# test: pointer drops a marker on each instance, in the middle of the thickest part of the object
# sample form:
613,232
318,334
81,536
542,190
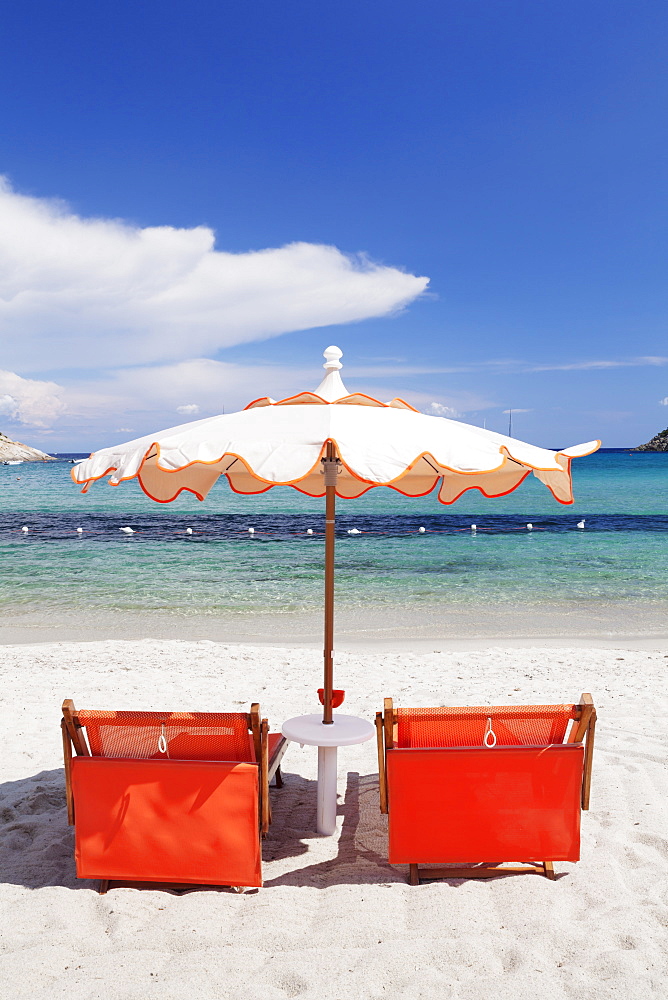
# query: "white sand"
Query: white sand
334,919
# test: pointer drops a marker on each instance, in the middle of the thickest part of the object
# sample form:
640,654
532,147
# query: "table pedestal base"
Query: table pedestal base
326,814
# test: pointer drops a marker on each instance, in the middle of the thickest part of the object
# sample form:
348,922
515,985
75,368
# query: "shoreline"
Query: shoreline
365,645
635,625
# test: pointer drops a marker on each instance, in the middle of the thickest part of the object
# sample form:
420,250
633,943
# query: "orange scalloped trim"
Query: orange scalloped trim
316,400
503,452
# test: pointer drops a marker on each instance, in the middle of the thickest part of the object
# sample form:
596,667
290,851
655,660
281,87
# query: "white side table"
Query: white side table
344,731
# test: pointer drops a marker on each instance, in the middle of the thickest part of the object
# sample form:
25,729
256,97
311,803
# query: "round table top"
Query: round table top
344,731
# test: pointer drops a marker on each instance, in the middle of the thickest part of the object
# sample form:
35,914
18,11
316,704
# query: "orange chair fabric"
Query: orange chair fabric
134,819
477,804
187,735
513,725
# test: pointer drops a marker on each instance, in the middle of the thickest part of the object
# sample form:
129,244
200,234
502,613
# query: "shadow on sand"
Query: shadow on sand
361,850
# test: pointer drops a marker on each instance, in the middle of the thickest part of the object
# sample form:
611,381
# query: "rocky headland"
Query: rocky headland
658,443
15,451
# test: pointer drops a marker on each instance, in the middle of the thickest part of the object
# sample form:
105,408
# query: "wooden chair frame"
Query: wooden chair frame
75,743
582,730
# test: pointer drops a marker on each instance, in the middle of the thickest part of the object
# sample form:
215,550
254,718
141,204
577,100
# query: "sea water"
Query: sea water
448,578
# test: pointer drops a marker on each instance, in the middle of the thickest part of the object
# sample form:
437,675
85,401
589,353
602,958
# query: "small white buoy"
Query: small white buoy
309,531
422,530
529,527
189,531
79,531
24,529
251,531
354,531
474,527
581,523
127,531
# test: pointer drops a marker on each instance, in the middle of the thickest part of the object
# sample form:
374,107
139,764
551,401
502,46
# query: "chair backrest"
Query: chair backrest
167,820
227,736
485,726
512,725
469,804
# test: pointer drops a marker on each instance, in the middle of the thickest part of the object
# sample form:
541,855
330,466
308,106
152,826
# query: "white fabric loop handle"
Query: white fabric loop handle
162,741
489,739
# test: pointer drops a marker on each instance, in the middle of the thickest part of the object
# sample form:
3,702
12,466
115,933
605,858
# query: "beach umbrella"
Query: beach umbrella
331,443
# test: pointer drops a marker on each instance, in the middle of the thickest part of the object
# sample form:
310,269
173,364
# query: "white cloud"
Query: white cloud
141,399
602,365
30,401
503,365
517,409
664,401
401,371
144,395
79,292
8,405
441,410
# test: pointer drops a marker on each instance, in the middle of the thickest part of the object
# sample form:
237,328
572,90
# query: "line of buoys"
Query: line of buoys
251,532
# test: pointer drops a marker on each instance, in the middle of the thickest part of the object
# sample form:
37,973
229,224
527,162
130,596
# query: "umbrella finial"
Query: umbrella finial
331,356
332,388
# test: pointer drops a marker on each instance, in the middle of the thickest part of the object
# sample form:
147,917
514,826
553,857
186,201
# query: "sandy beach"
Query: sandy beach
334,918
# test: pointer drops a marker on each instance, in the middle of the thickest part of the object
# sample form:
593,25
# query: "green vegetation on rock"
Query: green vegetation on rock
658,443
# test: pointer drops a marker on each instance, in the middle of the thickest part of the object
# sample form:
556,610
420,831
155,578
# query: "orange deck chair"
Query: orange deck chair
462,786
169,797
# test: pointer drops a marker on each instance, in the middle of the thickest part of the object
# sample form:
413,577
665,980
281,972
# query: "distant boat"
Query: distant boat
14,461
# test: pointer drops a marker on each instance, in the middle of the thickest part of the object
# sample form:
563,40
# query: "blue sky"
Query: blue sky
513,154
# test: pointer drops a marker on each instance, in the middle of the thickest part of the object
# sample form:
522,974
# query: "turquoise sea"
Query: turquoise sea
610,576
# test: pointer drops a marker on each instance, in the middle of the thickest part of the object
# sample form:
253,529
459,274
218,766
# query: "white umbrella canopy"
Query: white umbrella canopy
358,442
378,444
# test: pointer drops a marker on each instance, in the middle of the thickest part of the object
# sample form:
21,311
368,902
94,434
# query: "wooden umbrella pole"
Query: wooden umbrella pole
330,469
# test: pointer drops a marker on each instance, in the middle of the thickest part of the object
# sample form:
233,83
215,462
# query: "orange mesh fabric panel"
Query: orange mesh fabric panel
513,725
472,805
187,735
167,821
